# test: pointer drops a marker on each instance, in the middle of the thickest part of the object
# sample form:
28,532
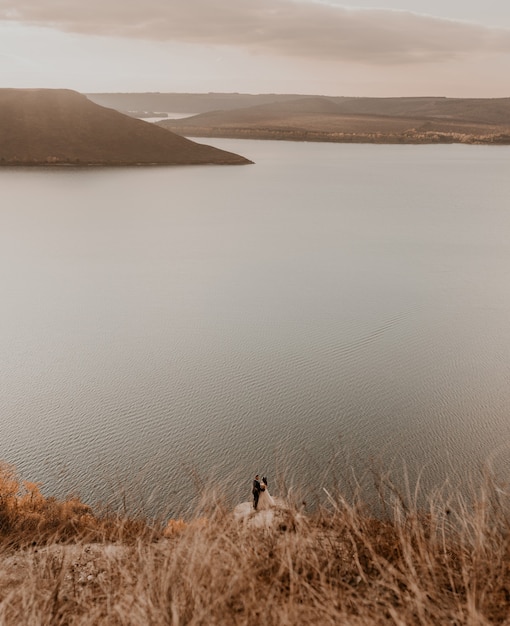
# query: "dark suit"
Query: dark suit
256,493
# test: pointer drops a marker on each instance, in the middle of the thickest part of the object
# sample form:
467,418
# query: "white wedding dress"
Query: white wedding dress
265,500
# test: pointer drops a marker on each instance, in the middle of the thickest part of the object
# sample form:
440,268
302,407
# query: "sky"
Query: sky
456,48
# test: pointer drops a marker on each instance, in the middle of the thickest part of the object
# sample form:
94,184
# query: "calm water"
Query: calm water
166,323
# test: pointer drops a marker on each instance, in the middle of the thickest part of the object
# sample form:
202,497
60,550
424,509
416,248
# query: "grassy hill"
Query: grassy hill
370,120
58,126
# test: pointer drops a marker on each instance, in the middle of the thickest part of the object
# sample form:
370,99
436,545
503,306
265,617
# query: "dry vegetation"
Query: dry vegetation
448,563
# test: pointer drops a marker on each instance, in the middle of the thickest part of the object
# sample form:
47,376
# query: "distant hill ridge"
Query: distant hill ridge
480,110
408,120
184,102
60,126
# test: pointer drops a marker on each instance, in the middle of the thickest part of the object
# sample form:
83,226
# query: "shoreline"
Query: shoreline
432,138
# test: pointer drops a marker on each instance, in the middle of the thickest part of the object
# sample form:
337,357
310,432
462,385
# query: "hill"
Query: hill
59,126
369,120
184,102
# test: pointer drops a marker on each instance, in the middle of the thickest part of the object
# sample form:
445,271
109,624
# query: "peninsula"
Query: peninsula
60,126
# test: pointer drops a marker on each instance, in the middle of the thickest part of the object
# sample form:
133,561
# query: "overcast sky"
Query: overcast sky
357,47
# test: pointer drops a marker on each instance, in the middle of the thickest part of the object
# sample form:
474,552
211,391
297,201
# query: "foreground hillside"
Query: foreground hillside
57,126
367,120
62,564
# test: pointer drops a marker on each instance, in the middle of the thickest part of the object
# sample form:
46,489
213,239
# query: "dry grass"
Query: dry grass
27,517
448,563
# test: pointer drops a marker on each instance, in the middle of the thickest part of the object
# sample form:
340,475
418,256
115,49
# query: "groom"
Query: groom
256,489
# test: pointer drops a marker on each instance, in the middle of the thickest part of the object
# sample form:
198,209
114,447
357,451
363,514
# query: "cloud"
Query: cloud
284,27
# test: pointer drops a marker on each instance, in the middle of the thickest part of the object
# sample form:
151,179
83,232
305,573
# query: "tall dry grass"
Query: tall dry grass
445,563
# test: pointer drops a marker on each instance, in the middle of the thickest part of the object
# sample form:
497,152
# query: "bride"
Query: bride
266,501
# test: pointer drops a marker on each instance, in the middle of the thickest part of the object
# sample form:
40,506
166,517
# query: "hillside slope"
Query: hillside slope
371,120
58,126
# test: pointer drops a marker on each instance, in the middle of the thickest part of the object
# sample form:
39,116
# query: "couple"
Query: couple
262,499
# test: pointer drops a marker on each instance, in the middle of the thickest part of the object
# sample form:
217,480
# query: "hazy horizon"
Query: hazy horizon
378,48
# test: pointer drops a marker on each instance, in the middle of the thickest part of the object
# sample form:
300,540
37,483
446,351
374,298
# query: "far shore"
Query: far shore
409,138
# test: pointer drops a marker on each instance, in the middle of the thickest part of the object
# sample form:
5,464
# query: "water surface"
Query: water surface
168,323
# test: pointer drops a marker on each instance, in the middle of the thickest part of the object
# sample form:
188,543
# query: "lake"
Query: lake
331,307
